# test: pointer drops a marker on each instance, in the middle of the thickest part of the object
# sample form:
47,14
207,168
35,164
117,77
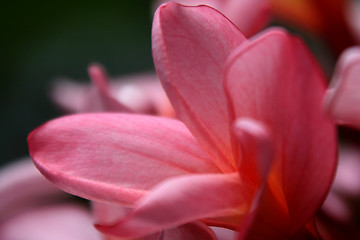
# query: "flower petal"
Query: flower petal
343,98
58,222
115,157
70,96
22,187
347,179
224,233
181,200
190,46
190,231
257,150
108,102
142,93
275,80
250,16
109,213
268,219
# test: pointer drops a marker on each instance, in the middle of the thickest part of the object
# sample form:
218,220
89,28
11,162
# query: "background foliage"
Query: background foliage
44,40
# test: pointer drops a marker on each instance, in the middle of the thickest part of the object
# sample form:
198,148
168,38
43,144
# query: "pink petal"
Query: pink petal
72,97
343,98
250,16
109,213
181,200
336,208
108,102
142,93
257,150
106,213
115,157
190,231
57,222
275,80
22,187
347,179
268,219
257,159
224,233
190,46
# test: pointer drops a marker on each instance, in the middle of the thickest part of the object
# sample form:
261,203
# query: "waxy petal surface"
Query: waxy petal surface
343,98
181,200
190,46
115,157
276,81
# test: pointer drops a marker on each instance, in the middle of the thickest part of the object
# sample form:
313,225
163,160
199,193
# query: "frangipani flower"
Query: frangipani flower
33,209
138,93
253,152
250,16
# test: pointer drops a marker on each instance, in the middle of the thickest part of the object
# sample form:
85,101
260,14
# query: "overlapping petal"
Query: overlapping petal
343,98
184,199
189,55
115,157
275,80
176,201
250,16
108,213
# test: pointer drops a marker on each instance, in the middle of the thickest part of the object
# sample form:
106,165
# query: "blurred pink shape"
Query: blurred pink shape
138,93
33,209
342,99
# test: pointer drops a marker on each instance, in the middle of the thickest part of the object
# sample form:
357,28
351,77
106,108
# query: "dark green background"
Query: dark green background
42,40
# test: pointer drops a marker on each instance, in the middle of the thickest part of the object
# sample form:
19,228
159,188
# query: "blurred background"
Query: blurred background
44,40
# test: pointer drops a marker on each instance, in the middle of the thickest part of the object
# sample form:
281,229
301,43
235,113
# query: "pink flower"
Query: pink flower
33,209
137,93
252,152
250,16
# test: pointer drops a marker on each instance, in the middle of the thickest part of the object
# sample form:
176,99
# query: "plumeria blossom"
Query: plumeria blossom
137,93
250,16
252,152
33,209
